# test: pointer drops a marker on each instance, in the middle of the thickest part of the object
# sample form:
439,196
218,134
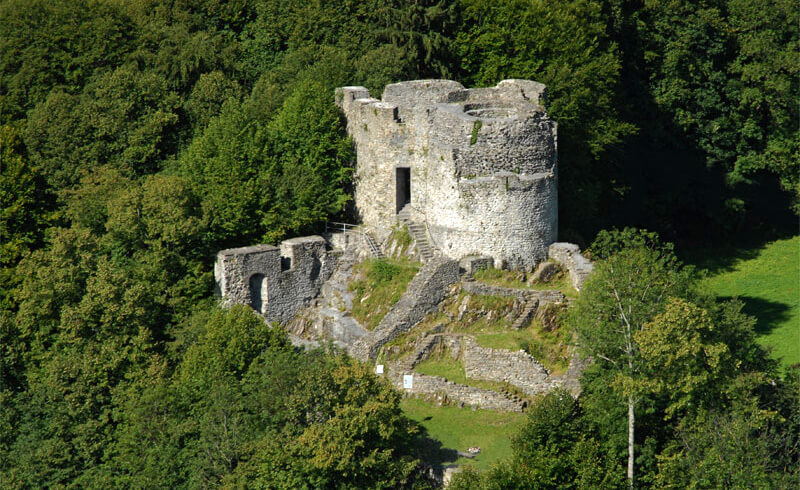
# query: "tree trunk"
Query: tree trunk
630,441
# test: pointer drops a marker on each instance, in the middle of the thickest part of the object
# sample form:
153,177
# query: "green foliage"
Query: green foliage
355,434
736,96
125,119
23,208
379,285
731,449
685,358
610,242
564,46
82,38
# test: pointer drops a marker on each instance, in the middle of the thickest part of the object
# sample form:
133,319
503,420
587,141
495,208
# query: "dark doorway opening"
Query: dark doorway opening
402,187
258,292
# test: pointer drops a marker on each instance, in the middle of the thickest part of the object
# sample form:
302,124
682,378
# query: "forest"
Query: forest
140,137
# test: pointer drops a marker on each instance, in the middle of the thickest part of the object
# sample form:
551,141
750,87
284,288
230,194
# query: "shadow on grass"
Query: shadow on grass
768,314
432,452
723,258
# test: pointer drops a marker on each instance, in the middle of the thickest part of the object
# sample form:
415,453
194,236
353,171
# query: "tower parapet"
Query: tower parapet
477,166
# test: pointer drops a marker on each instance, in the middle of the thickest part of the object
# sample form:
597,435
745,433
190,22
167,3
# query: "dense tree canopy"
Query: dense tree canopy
137,138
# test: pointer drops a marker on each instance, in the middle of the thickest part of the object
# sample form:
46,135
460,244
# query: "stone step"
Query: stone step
376,251
527,314
417,232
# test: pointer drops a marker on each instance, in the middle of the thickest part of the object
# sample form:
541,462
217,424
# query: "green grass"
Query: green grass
442,364
767,279
549,348
378,285
456,429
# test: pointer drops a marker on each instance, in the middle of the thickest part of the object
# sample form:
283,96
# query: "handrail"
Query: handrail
337,226
347,227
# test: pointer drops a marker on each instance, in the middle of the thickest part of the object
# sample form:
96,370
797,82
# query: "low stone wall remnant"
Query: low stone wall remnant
570,258
544,296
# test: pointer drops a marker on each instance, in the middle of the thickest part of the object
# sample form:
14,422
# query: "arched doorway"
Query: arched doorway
258,292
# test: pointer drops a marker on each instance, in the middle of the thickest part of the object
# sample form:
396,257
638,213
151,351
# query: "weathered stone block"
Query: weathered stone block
545,271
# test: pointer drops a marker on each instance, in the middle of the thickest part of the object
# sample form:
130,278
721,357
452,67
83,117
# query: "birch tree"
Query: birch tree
626,291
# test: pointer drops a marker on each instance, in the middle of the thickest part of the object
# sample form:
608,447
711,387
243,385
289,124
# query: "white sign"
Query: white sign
379,369
408,381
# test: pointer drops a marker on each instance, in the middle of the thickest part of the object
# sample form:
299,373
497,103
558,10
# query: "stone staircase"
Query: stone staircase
531,305
417,232
421,349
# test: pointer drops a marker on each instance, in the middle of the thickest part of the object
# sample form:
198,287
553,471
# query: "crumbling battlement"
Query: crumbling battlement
478,166
275,281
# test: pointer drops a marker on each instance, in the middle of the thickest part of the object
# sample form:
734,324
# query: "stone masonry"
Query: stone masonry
422,296
275,281
444,391
569,256
477,167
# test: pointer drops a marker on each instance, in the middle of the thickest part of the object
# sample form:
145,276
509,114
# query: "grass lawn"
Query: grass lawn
767,279
378,285
459,428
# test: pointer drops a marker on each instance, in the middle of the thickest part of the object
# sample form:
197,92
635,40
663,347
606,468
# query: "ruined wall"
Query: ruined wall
275,281
447,392
422,296
502,365
544,295
482,165
570,257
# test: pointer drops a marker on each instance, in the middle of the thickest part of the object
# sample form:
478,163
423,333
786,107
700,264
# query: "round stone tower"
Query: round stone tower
476,167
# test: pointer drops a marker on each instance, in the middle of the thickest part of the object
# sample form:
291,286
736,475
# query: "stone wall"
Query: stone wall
447,392
502,365
422,296
516,368
275,281
544,296
482,165
570,258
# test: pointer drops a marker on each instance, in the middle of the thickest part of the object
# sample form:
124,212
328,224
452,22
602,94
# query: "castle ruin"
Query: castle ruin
475,169
275,281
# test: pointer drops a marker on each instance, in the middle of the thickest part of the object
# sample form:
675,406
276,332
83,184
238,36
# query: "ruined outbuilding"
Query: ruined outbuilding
474,169
275,281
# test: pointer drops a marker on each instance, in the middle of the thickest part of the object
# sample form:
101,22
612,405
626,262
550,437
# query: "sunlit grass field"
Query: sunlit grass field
767,279
459,428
